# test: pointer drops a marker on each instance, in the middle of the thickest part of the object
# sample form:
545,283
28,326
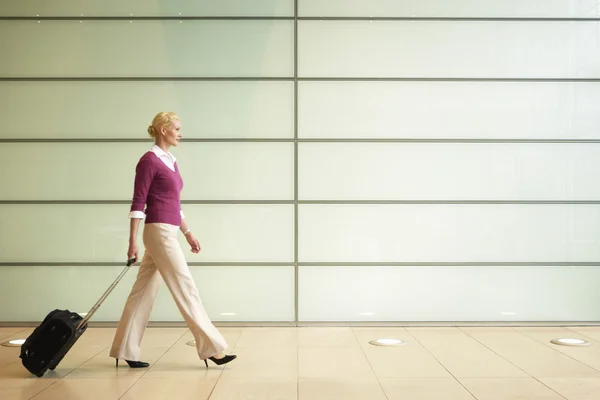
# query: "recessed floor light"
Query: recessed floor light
191,343
13,343
387,342
570,342
228,313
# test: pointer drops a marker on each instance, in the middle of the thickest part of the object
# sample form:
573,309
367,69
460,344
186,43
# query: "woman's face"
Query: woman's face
172,133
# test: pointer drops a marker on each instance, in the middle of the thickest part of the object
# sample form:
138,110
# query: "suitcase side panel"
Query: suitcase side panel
66,347
50,341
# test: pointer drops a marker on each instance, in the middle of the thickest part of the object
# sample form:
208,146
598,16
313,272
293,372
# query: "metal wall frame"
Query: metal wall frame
295,17
296,140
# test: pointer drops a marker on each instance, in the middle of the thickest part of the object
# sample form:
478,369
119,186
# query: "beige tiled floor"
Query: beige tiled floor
323,364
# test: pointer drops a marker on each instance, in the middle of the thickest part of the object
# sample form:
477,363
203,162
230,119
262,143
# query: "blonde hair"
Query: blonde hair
161,119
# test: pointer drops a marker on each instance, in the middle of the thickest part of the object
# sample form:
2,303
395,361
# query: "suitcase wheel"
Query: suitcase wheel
39,374
52,367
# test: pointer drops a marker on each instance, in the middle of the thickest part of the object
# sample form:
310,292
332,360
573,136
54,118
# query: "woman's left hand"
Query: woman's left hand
191,239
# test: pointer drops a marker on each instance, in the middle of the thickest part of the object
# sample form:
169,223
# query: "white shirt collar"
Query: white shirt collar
167,158
161,153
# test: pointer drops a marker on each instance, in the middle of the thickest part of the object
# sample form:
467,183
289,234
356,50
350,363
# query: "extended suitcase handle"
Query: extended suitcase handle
90,313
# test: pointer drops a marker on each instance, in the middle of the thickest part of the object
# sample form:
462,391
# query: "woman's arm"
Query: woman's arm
189,236
144,174
184,227
133,230
143,178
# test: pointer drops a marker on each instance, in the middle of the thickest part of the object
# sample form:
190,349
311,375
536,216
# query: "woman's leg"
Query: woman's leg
161,241
127,341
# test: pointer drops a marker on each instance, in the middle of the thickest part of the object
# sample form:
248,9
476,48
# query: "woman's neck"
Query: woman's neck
165,147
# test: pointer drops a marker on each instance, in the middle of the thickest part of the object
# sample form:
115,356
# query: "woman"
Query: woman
157,187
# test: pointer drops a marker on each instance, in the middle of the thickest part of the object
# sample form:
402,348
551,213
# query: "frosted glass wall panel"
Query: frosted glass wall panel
99,233
147,48
139,8
253,293
106,171
482,110
449,233
124,109
444,8
449,171
448,49
449,293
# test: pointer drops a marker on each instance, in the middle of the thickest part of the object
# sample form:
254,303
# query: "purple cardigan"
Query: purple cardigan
158,188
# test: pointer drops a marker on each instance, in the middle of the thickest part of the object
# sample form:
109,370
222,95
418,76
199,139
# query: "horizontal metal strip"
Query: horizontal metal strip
454,19
449,264
443,79
290,18
129,202
325,202
452,324
333,202
147,18
300,79
291,140
143,78
142,140
117,264
319,264
443,140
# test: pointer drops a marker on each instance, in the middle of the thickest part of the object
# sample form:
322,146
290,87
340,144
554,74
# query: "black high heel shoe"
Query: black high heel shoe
221,361
135,364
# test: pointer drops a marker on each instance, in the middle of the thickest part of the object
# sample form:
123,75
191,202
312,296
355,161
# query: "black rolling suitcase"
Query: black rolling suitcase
53,338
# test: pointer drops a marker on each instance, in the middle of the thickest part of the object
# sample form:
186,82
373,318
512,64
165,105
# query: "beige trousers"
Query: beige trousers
164,258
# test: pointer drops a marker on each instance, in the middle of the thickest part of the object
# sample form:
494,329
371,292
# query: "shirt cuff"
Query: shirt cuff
137,214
